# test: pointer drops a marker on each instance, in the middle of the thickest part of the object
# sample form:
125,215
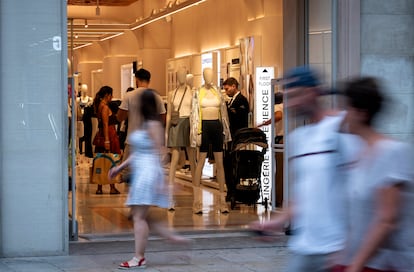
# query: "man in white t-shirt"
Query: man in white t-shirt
317,205
129,108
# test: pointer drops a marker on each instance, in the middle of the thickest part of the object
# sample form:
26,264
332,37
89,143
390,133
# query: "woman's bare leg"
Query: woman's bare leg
141,229
159,224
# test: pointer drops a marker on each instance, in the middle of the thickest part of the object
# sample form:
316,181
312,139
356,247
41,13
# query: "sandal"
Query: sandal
114,191
134,263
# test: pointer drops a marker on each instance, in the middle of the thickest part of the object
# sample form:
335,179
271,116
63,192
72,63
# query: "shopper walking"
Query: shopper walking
106,139
380,190
148,187
130,109
316,207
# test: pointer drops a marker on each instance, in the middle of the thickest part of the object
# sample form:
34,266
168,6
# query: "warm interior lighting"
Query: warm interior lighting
86,23
76,36
155,16
98,10
112,36
83,45
167,12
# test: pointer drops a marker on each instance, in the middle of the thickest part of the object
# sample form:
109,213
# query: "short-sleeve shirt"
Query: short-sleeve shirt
317,187
388,163
130,103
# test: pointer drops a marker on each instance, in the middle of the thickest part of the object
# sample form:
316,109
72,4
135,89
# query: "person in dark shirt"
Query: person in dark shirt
238,110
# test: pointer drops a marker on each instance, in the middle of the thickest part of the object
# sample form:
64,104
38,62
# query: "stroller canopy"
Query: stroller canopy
246,136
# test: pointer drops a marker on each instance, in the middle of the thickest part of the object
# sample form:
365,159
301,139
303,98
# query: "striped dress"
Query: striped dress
148,185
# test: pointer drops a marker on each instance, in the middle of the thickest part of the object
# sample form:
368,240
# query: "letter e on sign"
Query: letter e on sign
57,43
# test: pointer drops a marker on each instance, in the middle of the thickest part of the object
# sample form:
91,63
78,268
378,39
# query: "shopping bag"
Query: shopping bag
102,162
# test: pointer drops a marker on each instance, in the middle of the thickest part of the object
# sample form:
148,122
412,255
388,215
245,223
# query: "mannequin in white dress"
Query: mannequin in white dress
84,126
179,99
210,118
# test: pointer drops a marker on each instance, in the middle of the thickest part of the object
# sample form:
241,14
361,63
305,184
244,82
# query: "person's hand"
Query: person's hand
258,230
113,172
107,145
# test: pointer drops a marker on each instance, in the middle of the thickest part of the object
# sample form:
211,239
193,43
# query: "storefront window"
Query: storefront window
320,38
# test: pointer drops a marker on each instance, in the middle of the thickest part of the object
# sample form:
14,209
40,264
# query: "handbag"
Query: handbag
175,114
101,164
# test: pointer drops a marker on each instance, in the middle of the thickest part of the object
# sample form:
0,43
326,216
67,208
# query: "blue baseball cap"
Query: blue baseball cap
302,76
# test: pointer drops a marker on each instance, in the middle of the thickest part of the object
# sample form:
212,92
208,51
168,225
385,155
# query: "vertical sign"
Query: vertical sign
263,112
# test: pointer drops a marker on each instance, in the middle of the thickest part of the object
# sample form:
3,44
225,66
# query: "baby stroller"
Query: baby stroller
247,166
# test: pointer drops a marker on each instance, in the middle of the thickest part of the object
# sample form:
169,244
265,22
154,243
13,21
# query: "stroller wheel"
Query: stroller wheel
265,203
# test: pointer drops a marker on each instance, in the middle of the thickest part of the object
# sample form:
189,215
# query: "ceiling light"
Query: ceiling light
112,36
83,45
76,36
86,23
168,12
98,10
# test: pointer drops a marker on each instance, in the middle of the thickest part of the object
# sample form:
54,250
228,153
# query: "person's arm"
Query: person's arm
156,132
387,210
278,117
105,125
161,109
114,171
121,115
163,118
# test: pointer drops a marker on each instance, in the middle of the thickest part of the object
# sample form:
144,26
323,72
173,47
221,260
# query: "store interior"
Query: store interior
109,39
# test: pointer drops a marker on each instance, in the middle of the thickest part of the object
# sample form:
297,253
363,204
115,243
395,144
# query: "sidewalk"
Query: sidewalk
232,251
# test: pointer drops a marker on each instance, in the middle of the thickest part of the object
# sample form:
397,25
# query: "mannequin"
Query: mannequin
85,112
190,80
180,99
84,100
210,127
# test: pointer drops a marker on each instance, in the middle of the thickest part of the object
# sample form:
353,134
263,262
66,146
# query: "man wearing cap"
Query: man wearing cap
316,207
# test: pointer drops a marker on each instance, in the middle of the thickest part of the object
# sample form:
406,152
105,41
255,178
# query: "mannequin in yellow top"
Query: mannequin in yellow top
179,99
212,126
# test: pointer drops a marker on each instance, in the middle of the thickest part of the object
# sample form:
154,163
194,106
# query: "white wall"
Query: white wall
387,52
33,97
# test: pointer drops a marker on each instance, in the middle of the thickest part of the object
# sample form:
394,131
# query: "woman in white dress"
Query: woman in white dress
148,187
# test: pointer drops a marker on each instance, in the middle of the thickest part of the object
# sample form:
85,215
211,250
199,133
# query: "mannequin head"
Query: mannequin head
181,76
190,80
208,76
84,90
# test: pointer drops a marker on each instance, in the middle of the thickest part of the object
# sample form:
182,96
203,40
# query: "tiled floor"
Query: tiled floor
106,214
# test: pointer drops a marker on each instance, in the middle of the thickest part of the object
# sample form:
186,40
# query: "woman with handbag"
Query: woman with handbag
106,139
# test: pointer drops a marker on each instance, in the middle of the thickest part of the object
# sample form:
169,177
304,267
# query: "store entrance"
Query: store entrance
108,59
